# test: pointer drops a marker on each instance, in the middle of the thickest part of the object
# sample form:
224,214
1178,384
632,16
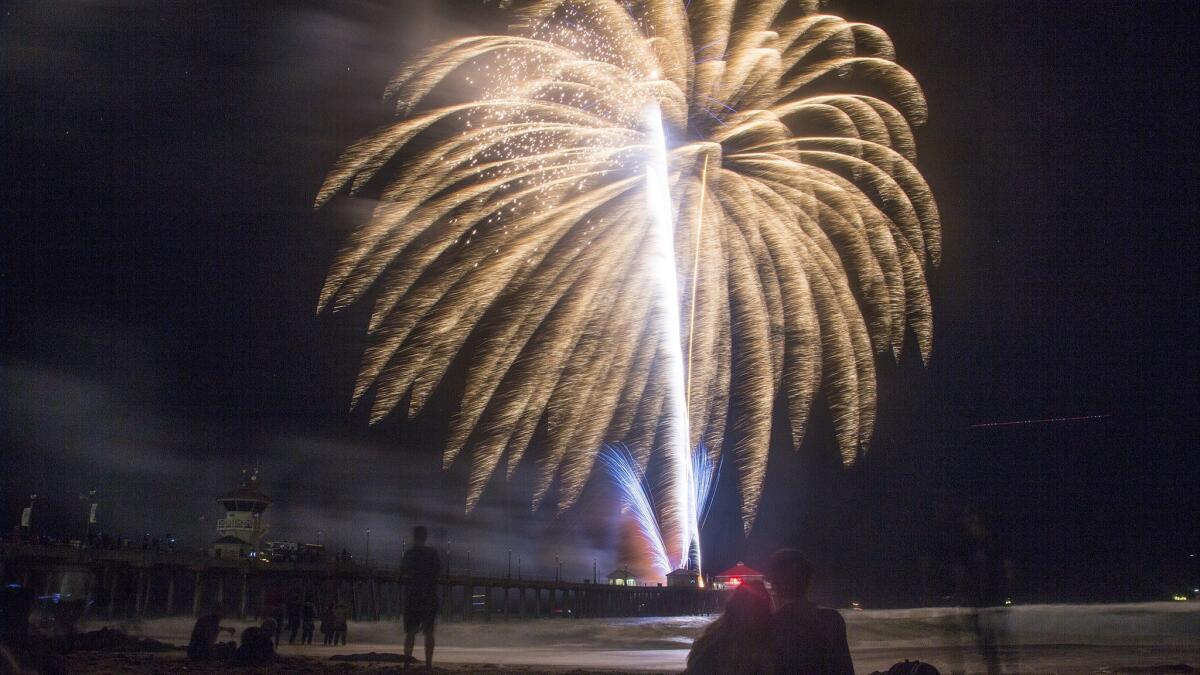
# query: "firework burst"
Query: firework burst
513,207
637,500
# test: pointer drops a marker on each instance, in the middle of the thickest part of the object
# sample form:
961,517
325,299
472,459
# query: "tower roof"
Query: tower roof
741,571
245,493
248,491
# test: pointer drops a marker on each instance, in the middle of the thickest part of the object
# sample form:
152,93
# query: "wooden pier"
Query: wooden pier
126,584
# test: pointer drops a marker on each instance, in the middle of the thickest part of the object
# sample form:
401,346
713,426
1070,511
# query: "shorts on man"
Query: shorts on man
419,619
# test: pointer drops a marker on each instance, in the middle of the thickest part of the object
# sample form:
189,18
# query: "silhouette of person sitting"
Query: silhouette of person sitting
256,648
16,604
737,642
270,628
420,567
203,646
807,639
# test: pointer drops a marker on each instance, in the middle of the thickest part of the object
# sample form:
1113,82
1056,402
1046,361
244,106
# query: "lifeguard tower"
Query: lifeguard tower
243,527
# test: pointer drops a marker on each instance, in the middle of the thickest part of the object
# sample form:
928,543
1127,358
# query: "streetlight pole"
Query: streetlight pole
509,575
518,568
368,560
27,516
558,568
593,570
88,498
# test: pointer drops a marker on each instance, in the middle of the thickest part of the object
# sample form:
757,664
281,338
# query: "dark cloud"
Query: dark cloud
155,473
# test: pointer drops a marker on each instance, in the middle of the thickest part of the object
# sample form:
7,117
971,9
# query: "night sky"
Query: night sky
161,264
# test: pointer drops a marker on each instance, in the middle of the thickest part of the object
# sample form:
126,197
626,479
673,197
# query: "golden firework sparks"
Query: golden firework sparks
518,213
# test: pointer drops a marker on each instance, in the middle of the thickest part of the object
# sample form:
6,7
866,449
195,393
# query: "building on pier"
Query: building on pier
683,578
243,527
291,551
735,576
621,577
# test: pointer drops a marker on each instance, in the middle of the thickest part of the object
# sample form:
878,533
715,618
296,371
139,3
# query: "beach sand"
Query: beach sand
1066,661
1131,638
137,663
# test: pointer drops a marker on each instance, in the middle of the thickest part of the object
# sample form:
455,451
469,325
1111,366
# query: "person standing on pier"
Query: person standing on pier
420,567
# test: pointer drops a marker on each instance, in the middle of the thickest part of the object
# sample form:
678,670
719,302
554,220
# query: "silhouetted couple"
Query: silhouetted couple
421,568
797,637
257,648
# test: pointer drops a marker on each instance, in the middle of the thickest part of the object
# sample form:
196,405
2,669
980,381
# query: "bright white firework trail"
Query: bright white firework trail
705,474
637,497
679,482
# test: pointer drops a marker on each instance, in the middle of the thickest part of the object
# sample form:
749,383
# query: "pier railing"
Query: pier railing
130,583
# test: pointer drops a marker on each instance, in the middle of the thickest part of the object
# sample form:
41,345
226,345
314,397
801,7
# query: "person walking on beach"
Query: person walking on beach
420,567
308,615
293,616
341,620
807,639
274,602
327,625
737,642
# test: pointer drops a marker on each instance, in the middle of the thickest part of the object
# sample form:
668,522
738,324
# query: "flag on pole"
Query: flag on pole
26,516
92,515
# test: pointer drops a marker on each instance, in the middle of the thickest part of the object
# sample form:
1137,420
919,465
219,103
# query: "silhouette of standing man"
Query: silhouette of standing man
420,567
808,640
